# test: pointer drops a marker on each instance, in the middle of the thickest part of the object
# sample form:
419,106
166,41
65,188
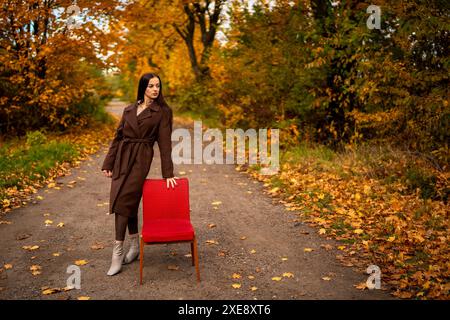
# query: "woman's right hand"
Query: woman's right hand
107,173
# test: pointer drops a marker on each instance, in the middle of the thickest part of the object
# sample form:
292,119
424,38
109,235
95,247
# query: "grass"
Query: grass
19,159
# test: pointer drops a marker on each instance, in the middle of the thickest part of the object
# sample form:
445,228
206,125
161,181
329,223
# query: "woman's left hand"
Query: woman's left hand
171,182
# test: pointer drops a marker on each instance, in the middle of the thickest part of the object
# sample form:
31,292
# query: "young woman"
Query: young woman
129,158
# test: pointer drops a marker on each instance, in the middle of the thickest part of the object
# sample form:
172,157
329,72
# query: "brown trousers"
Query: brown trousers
121,226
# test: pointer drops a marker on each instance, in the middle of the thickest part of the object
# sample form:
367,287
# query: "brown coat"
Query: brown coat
131,153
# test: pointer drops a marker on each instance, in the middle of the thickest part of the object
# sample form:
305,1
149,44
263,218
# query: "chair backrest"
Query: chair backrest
158,202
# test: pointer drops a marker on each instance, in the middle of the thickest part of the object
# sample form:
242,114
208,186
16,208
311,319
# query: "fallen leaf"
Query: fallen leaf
288,275
81,262
51,291
35,269
276,278
84,298
236,276
173,267
236,285
360,286
30,248
308,249
97,246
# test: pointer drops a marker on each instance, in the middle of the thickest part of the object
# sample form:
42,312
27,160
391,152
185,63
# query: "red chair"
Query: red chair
166,217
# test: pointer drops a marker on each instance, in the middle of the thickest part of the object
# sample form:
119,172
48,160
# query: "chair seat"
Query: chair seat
167,230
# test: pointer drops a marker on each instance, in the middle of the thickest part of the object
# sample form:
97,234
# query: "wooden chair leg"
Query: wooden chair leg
192,253
141,260
196,258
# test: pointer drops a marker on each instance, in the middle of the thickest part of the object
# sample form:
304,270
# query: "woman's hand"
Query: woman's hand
107,173
172,182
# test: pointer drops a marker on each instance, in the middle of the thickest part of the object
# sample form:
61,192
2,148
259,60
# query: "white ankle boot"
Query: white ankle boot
133,253
117,258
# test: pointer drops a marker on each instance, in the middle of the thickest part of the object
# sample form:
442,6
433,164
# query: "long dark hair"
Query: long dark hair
143,83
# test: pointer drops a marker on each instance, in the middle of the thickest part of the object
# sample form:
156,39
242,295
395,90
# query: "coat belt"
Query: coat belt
131,157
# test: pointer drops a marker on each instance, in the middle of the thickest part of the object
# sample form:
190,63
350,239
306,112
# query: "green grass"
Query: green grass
303,150
31,160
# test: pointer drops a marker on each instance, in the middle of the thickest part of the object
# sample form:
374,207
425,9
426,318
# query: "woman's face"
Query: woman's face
152,90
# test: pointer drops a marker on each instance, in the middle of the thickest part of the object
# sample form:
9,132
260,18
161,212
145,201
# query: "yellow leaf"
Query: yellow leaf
40,197
358,231
236,285
284,259
211,242
30,247
48,221
81,262
390,239
83,298
60,225
360,286
274,190
7,266
341,247
308,250
35,269
326,278
322,231
253,288
236,276
216,203
50,291
288,275
253,251
56,254
276,278
251,277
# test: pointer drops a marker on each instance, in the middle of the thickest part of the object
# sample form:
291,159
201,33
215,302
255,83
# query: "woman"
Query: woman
129,158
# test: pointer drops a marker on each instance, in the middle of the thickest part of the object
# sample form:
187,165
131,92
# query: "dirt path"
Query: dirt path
267,226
